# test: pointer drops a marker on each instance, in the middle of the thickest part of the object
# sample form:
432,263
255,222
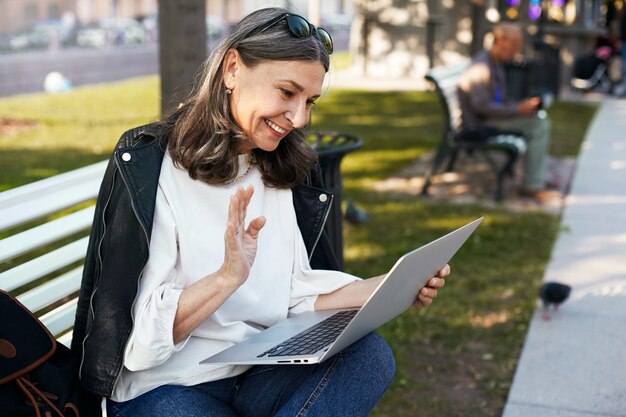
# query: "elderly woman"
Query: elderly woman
205,233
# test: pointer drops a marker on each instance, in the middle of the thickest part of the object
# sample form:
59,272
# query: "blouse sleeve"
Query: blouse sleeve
307,284
151,341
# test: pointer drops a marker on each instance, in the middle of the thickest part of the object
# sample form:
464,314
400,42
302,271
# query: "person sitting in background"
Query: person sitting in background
206,232
486,110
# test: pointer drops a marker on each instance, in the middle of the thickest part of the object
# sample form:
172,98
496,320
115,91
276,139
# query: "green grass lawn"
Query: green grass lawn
72,129
455,358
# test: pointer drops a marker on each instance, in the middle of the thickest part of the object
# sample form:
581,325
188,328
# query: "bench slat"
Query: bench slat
51,185
49,197
448,71
32,201
61,318
53,290
43,265
66,340
54,230
47,204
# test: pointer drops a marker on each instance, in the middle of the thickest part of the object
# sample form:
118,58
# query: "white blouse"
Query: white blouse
187,244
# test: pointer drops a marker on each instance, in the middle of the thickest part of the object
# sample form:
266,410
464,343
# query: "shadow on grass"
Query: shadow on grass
23,166
396,129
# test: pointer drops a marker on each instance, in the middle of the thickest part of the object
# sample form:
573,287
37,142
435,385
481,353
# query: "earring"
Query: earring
229,91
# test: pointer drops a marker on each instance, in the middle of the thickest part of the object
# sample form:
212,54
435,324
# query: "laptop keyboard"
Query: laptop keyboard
314,338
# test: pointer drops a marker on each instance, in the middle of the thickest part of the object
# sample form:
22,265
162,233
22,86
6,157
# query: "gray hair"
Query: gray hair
202,133
507,30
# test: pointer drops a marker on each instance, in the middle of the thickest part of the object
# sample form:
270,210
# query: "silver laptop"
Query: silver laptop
315,336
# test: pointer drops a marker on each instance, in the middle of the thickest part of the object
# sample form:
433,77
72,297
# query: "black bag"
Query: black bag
482,133
586,66
478,134
38,376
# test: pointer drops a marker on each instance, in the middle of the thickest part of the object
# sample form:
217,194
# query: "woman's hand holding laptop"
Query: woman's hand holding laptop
428,293
354,295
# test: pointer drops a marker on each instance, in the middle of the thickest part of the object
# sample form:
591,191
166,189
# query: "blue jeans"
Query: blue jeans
348,384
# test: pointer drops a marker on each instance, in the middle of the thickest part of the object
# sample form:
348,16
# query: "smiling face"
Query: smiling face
272,98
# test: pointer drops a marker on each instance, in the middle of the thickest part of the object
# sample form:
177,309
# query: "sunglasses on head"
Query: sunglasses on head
300,28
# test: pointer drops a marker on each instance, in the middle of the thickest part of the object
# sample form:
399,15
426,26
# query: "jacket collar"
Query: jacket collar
139,156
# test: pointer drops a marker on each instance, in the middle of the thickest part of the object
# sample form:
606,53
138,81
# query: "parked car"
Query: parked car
112,32
4,43
40,35
28,39
64,32
214,28
151,25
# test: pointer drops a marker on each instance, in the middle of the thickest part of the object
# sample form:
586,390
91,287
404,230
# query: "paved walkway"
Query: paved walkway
574,365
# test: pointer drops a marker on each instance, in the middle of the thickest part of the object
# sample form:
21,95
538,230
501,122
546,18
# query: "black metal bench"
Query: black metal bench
446,80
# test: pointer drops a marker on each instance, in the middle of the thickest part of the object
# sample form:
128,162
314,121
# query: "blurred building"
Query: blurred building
404,38
21,14
18,14
95,10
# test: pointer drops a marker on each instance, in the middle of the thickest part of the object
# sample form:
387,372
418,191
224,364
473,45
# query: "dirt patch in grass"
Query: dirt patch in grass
459,388
461,384
473,182
10,127
464,379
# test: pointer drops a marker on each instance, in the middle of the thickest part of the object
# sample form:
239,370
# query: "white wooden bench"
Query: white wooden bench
44,231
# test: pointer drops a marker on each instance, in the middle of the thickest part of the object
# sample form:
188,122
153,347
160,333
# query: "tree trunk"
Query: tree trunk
182,48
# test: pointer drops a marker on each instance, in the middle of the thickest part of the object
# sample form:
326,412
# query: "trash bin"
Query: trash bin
537,75
545,73
331,147
517,79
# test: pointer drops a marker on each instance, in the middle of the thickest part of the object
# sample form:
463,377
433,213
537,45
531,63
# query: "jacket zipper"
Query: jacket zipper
319,234
118,372
93,293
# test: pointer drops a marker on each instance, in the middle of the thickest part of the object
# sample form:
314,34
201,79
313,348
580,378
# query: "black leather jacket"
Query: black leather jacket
119,248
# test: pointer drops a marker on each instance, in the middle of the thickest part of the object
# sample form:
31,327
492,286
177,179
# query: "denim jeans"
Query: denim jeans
348,384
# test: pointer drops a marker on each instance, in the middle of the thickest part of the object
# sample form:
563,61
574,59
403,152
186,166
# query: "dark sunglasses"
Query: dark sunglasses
300,28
